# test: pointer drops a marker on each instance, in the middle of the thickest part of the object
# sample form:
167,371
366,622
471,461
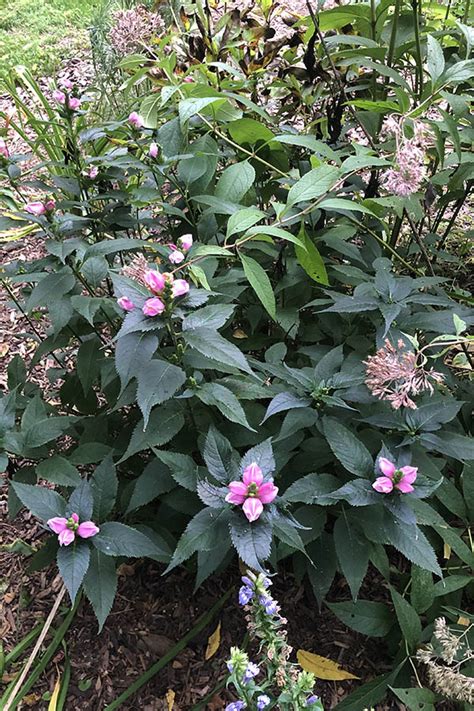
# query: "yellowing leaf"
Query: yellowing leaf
170,696
213,642
464,621
53,702
447,551
321,667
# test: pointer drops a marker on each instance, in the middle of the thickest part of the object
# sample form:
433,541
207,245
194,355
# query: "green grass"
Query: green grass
39,33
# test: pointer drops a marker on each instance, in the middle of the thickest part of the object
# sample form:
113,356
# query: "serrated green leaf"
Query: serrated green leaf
158,381
407,619
252,541
100,585
353,553
42,502
260,283
73,562
313,184
310,259
371,618
351,452
225,400
117,539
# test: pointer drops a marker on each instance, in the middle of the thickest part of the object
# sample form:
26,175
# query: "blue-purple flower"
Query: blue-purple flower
312,700
235,706
270,605
251,671
245,595
263,701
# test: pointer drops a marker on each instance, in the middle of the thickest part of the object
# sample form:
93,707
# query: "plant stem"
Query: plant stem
416,20
393,36
420,244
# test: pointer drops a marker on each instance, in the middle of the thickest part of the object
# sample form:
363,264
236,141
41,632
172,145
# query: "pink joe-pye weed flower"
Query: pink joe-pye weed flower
125,303
153,150
393,478
154,281
176,257
185,242
68,528
66,83
3,148
35,208
59,96
251,493
153,307
180,288
135,120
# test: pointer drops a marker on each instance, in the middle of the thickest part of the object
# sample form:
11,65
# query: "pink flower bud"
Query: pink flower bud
59,96
35,208
188,80
176,257
3,148
180,287
185,242
50,204
153,152
87,529
73,103
125,303
135,120
154,280
93,172
153,307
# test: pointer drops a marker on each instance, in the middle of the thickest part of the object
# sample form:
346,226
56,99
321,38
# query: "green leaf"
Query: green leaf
434,58
247,130
95,270
43,503
158,381
414,545
219,457
407,619
225,400
272,231
211,344
154,481
213,317
117,539
87,364
341,204
309,258
51,288
201,534
371,618
100,585
73,561
261,454
353,553
184,469
104,484
286,401
422,591
163,425
313,184
235,182
310,487
58,470
252,541
351,452
189,107
46,429
322,572
260,283
87,306
81,501
416,699
368,694
242,220
132,353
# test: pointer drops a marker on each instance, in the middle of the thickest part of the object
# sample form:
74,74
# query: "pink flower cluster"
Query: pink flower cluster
177,252
158,283
401,479
132,29
61,97
251,493
136,120
4,148
68,528
393,374
409,171
40,208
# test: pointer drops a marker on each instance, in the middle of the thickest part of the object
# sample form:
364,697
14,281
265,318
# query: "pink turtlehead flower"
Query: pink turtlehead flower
135,119
153,150
185,242
68,528
93,172
50,205
176,257
35,208
3,148
125,303
401,479
180,288
73,103
154,280
66,83
153,307
251,493
59,96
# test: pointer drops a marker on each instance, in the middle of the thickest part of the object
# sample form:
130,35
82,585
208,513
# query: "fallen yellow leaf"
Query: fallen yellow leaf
170,696
4,348
447,551
321,667
464,621
213,642
53,702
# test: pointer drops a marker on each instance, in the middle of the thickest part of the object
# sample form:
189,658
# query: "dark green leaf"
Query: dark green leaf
351,452
100,585
158,381
117,539
73,562
371,618
353,553
43,503
252,541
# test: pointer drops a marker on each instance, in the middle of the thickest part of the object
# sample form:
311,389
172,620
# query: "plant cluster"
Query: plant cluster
258,332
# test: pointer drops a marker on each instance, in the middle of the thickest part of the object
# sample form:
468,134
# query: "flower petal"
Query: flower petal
57,524
252,508
267,492
383,484
237,492
232,498
404,486
252,474
387,467
87,529
409,474
66,537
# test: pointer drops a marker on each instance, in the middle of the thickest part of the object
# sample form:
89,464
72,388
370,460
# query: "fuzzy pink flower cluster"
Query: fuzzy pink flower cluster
393,478
40,208
251,493
409,171
68,528
134,28
394,375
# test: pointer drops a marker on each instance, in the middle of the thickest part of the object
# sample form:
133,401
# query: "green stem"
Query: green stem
202,622
393,36
419,62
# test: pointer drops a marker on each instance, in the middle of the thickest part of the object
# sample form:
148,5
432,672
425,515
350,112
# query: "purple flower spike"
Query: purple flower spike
312,700
251,671
245,595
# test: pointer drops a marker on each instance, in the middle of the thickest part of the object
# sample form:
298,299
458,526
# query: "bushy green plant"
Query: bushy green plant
237,304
